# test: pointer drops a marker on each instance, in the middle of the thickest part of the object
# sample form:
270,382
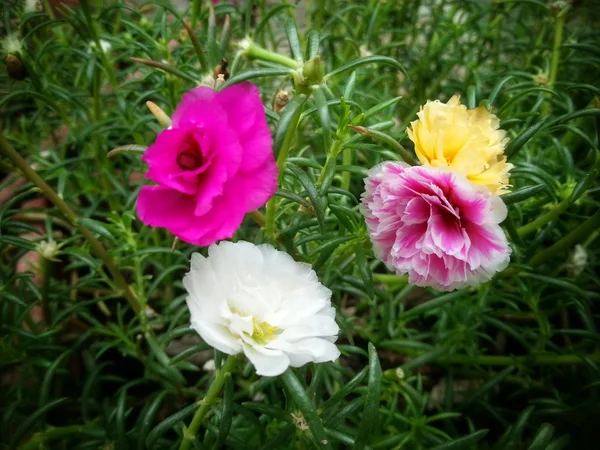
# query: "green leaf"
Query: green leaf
292,35
584,184
498,88
365,271
349,90
323,111
369,420
375,59
380,107
522,194
345,390
312,192
312,45
515,145
329,173
486,387
148,417
132,148
542,437
169,423
272,11
289,116
257,73
27,424
227,415
303,402
463,443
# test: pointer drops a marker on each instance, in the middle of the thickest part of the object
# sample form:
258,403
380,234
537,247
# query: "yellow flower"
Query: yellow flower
465,140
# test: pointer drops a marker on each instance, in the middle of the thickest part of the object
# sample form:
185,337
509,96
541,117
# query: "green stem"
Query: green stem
404,154
388,279
497,360
195,13
577,235
347,161
51,195
281,161
206,404
85,6
255,52
42,438
46,266
558,36
543,220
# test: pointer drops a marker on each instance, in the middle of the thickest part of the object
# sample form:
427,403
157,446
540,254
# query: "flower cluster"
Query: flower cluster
439,222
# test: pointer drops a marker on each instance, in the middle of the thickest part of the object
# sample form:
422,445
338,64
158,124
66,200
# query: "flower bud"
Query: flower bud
313,70
48,250
15,68
281,100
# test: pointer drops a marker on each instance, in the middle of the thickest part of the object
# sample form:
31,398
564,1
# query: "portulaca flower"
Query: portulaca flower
259,301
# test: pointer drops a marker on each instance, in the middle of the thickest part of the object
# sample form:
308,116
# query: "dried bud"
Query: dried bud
300,421
281,100
15,68
221,69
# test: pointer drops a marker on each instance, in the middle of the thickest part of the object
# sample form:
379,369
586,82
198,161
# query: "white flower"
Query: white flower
258,300
32,6
104,44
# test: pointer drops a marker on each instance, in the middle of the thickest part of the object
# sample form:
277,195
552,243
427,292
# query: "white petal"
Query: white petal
197,261
309,350
217,336
268,363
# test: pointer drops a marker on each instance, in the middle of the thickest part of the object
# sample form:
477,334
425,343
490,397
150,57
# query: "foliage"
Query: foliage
511,364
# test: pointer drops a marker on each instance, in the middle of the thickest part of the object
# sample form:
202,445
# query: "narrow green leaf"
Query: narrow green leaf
486,387
287,118
303,402
269,410
369,420
312,192
329,173
542,437
522,194
227,416
498,88
272,12
349,90
292,35
256,73
148,417
345,390
584,184
471,97
365,270
132,148
515,145
462,443
31,420
380,107
169,423
375,59
312,45
323,111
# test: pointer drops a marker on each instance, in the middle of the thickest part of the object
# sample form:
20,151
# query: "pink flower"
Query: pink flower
435,225
212,166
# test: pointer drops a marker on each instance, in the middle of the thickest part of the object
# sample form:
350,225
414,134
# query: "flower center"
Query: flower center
189,160
263,332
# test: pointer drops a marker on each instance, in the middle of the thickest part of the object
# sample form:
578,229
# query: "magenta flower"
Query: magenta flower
435,225
212,166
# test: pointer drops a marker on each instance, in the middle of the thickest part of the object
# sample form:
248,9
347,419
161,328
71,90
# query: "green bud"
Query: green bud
313,71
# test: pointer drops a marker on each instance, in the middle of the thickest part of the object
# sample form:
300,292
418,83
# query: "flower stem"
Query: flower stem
255,52
559,25
51,195
543,220
500,360
43,438
577,235
85,6
211,396
284,150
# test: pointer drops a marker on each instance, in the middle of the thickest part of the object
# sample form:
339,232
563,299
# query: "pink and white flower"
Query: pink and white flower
212,166
434,225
